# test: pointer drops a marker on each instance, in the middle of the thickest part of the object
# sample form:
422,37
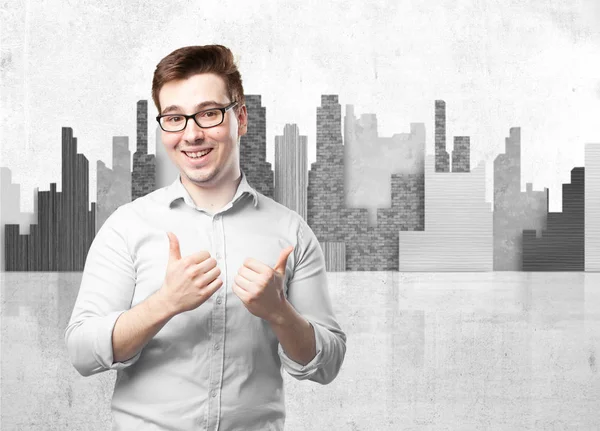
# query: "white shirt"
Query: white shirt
218,366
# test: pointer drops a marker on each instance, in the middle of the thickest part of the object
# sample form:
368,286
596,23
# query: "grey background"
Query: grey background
426,351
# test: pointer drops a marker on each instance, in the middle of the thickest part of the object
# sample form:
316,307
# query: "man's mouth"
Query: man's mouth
198,155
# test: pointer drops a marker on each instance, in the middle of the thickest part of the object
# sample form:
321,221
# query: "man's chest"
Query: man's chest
227,241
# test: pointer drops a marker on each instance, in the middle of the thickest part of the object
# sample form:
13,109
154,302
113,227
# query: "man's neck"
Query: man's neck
214,197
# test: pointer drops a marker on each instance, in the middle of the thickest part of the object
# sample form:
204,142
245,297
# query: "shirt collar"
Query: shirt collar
177,191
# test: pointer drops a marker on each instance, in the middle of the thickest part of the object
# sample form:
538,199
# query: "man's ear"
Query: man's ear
242,118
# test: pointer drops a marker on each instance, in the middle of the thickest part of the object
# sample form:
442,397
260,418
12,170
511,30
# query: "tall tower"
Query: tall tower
291,174
442,159
461,155
144,167
253,148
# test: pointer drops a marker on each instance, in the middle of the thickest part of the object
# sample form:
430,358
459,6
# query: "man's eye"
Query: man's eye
173,119
209,114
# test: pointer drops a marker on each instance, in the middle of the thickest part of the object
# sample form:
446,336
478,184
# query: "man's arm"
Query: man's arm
188,283
104,332
311,343
296,335
136,327
106,291
308,295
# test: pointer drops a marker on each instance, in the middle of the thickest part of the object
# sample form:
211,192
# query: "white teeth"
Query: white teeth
199,154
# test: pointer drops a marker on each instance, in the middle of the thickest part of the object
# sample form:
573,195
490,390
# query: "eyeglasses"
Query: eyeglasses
204,119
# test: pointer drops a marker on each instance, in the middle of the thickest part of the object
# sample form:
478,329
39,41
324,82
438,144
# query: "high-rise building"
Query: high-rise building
291,172
144,168
253,148
66,225
442,159
461,155
592,207
561,246
10,210
514,210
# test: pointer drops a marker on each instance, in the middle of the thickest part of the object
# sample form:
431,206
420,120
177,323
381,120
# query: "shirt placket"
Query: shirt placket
218,328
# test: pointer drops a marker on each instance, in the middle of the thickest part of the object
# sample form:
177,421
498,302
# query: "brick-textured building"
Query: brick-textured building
144,166
253,148
461,154
346,231
442,158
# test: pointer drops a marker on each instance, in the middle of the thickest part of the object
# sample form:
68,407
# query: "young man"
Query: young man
200,292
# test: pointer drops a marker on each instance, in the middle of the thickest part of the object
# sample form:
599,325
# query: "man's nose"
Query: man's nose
192,131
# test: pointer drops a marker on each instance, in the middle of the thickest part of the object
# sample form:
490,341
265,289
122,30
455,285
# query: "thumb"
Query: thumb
280,265
174,252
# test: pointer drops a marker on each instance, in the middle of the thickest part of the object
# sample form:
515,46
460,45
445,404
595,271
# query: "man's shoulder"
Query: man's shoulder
127,211
280,217
274,209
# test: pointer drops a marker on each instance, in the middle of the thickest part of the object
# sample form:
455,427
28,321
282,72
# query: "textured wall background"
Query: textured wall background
496,65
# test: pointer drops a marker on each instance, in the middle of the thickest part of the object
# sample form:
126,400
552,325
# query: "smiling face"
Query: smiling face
188,96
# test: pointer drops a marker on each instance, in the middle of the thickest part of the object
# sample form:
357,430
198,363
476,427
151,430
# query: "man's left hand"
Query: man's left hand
260,287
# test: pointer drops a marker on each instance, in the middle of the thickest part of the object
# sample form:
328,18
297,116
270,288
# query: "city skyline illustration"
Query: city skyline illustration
375,203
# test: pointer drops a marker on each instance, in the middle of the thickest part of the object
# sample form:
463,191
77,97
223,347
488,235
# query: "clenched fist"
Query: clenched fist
189,281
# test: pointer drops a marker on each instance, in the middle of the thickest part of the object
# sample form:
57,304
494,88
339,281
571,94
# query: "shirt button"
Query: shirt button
217,347
219,300
213,393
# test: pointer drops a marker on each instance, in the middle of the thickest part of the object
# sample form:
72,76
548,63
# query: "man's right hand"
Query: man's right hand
189,281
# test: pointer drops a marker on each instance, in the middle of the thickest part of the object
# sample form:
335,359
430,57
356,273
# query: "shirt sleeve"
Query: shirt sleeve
308,293
106,291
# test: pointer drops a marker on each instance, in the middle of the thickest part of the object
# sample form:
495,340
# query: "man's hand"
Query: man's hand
190,281
260,287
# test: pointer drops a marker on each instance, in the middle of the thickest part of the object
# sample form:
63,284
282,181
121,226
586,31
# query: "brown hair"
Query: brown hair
191,60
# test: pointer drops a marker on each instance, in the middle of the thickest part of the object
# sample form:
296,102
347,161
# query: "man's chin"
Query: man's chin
204,179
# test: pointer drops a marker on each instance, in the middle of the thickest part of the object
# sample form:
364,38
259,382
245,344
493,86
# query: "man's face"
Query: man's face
198,93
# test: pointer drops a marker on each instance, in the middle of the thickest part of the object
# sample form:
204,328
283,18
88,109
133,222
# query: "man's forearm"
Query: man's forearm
135,327
296,335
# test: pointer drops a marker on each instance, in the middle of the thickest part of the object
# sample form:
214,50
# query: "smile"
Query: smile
198,156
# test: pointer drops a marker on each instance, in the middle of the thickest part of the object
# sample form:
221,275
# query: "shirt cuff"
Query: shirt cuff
104,348
299,371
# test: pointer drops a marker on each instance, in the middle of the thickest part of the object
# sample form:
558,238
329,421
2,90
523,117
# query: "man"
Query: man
200,292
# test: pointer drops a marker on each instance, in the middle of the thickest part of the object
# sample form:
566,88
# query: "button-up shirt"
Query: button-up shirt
217,367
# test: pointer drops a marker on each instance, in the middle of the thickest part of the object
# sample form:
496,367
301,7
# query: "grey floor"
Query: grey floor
426,351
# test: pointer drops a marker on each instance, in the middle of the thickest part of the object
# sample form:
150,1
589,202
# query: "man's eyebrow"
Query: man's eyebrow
198,107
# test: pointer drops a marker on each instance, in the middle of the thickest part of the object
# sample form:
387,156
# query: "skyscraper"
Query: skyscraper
144,168
592,207
291,173
442,159
461,155
253,148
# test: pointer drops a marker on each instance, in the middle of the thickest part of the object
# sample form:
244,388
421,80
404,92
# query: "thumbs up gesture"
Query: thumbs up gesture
189,281
260,287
